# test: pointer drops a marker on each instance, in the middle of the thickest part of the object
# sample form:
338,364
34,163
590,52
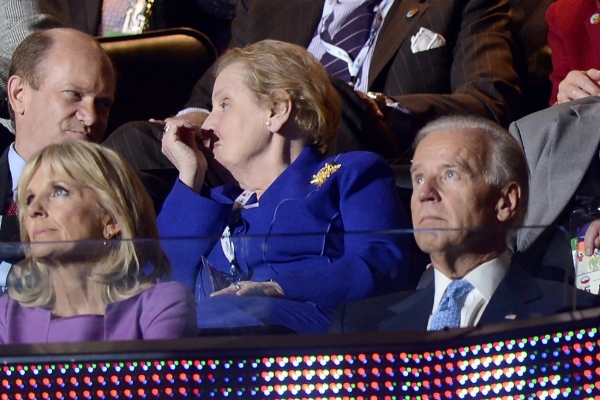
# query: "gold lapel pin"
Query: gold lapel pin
412,12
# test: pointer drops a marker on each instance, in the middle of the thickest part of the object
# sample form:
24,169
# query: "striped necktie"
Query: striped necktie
351,37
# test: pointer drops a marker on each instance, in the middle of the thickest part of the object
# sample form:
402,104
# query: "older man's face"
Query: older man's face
450,192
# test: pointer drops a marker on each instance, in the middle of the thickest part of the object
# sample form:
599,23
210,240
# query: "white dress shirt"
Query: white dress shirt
485,279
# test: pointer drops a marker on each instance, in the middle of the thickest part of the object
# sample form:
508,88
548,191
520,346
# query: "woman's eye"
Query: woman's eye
29,199
59,191
418,179
451,174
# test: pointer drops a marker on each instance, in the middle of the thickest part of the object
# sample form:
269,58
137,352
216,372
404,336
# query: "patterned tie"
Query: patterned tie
13,209
113,16
351,37
448,313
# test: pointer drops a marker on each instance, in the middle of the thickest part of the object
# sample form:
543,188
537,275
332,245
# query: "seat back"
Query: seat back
156,72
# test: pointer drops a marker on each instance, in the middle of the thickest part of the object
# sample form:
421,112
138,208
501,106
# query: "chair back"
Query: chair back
156,72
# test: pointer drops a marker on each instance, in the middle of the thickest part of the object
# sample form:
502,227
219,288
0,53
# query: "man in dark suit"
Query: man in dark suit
470,187
466,68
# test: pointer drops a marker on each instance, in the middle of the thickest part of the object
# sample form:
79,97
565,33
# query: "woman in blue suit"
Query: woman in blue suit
299,233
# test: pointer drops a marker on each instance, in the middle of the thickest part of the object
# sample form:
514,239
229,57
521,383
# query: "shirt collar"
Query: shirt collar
15,165
485,278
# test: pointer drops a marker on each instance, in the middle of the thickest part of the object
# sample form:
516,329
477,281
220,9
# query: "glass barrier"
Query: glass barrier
271,317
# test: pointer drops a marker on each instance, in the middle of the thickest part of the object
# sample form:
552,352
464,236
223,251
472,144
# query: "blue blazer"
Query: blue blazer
323,245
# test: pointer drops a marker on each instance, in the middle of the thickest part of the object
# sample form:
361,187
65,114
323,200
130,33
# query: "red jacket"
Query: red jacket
574,40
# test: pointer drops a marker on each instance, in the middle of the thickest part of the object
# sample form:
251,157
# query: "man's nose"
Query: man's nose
428,190
87,112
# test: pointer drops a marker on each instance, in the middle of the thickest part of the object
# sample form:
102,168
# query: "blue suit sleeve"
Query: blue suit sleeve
189,226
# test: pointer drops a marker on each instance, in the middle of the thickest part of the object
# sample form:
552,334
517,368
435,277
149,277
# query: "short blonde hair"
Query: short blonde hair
120,193
273,65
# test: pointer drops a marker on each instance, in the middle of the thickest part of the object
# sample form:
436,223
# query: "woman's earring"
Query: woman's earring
268,124
107,242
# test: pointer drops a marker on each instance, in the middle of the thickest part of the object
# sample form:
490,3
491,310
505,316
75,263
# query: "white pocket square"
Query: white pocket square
426,40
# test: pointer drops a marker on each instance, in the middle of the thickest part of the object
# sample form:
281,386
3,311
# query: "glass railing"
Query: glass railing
283,320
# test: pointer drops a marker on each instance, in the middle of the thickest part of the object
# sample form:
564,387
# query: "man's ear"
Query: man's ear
111,227
281,110
16,88
507,205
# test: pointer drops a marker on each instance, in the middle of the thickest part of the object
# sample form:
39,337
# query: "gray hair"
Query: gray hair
506,160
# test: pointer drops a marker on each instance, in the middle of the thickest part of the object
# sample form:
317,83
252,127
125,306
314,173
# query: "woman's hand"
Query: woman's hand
180,147
250,288
579,84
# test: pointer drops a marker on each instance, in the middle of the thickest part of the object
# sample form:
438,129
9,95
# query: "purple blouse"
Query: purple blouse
164,311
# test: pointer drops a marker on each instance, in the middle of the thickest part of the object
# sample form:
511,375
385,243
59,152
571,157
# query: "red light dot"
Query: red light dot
31,396
182,390
182,376
114,393
127,392
86,393
18,382
100,393
73,380
58,395
141,392
72,394
169,391
154,392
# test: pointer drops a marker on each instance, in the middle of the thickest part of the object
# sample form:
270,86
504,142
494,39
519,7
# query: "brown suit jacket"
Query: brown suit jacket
472,74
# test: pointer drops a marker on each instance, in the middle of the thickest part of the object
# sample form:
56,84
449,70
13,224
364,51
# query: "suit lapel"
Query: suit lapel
300,20
393,33
511,297
411,313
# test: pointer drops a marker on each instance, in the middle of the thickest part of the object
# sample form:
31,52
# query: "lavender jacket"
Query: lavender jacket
164,311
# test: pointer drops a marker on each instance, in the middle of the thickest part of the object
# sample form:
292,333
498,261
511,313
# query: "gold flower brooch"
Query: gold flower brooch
325,173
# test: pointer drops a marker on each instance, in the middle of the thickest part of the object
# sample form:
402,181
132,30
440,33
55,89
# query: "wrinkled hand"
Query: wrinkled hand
250,288
179,145
592,238
579,84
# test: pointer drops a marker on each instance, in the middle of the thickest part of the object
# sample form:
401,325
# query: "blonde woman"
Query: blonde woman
82,278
